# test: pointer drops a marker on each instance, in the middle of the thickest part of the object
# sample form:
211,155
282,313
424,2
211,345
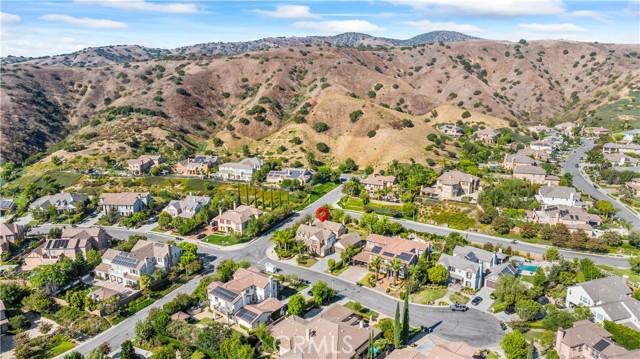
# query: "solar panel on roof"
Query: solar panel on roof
224,294
404,256
246,315
158,244
387,254
59,243
125,261
601,345
376,249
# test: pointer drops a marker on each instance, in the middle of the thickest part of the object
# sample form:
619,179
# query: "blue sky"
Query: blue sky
35,28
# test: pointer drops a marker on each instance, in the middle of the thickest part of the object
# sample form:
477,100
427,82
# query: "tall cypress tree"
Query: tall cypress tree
405,318
397,331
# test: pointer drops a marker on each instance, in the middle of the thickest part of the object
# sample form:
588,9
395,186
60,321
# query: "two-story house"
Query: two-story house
143,164
586,340
634,185
375,182
517,159
462,271
566,128
534,174
61,202
235,220
239,171
469,265
196,166
543,145
487,135
621,148
251,297
608,298
559,195
187,207
145,258
575,218
389,248
301,175
4,322
621,160
451,130
74,242
9,234
452,184
316,240
125,203
7,205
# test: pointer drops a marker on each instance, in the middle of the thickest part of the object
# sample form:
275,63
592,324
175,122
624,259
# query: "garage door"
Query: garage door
490,284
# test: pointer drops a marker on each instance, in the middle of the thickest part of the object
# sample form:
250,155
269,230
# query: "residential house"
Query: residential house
4,322
251,297
517,159
550,195
491,278
125,203
336,333
187,207
348,240
566,128
453,184
477,255
538,129
621,160
575,218
462,271
621,148
608,298
337,228
487,135
535,174
629,136
540,156
61,202
634,185
9,234
543,145
235,220
143,164
452,350
589,340
390,248
6,206
293,174
318,241
375,182
451,131
196,166
145,258
239,171
595,131
75,241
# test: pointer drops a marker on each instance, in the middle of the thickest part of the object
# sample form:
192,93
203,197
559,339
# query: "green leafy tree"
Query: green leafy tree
623,335
552,254
397,328
528,309
539,278
127,351
634,262
322,293
144,281
510,289
405,317
514,345
558,318
164,220
438,274
73,355
605,208
296,305
96,354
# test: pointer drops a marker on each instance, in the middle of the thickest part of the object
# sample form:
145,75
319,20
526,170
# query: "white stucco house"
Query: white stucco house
551,195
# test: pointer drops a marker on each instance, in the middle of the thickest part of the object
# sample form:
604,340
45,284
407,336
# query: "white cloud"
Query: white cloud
588,14
85,21
44,46
8,19
289,12
492,7
427,25
142,5
338,26
552,28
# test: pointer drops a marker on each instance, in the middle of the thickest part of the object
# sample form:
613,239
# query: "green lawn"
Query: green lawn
459,298
527,278
428,295
61,348
365,281
221,240
355,204
309,262
498,306
610,115
339,271
621,272
533,334
363,311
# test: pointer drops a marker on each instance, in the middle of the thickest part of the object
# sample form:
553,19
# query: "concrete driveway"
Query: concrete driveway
486,303
24,220
354,274
323,263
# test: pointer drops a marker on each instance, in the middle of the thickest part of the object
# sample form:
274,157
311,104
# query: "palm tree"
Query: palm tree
376,264
282,238
395,266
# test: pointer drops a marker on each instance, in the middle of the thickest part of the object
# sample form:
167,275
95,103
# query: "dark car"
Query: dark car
310,292
457,307
200,236
178,239
502,325
476,300
509,310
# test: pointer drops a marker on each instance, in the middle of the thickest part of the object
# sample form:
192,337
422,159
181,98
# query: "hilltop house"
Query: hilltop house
621,159
301,175
487,135
634,185
239,171
9,234
588,340
452,184
452,131
251,297
187,207
74,241
235,220
621,148
324,336
595,131
559,195
375,182
566,128
125,203
143,164
197,166
390,248
145,258
7,205
538,129
61,202
608,298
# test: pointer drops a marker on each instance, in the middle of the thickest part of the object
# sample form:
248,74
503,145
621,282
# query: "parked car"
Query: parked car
476,300
310,292
200,236
502,325
178,238
509,310
457,307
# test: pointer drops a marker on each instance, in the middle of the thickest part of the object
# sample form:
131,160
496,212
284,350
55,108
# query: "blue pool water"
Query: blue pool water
528,268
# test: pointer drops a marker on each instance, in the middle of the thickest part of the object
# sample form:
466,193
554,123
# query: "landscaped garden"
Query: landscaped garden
428,295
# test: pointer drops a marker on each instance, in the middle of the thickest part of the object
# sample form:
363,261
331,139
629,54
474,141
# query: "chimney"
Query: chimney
309,333
234,204
220,211
361,324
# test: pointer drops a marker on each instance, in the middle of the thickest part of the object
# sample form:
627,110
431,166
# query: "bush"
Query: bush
371,133
320,127
181,91
355,115
466,114
371,94
322,147
18,322
378,86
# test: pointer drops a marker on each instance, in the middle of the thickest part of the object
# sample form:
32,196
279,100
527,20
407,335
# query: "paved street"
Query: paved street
585,185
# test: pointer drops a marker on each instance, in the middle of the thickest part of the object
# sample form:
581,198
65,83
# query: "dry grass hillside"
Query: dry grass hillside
260,95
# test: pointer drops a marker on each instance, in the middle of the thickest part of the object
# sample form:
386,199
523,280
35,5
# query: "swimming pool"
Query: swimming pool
527,269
